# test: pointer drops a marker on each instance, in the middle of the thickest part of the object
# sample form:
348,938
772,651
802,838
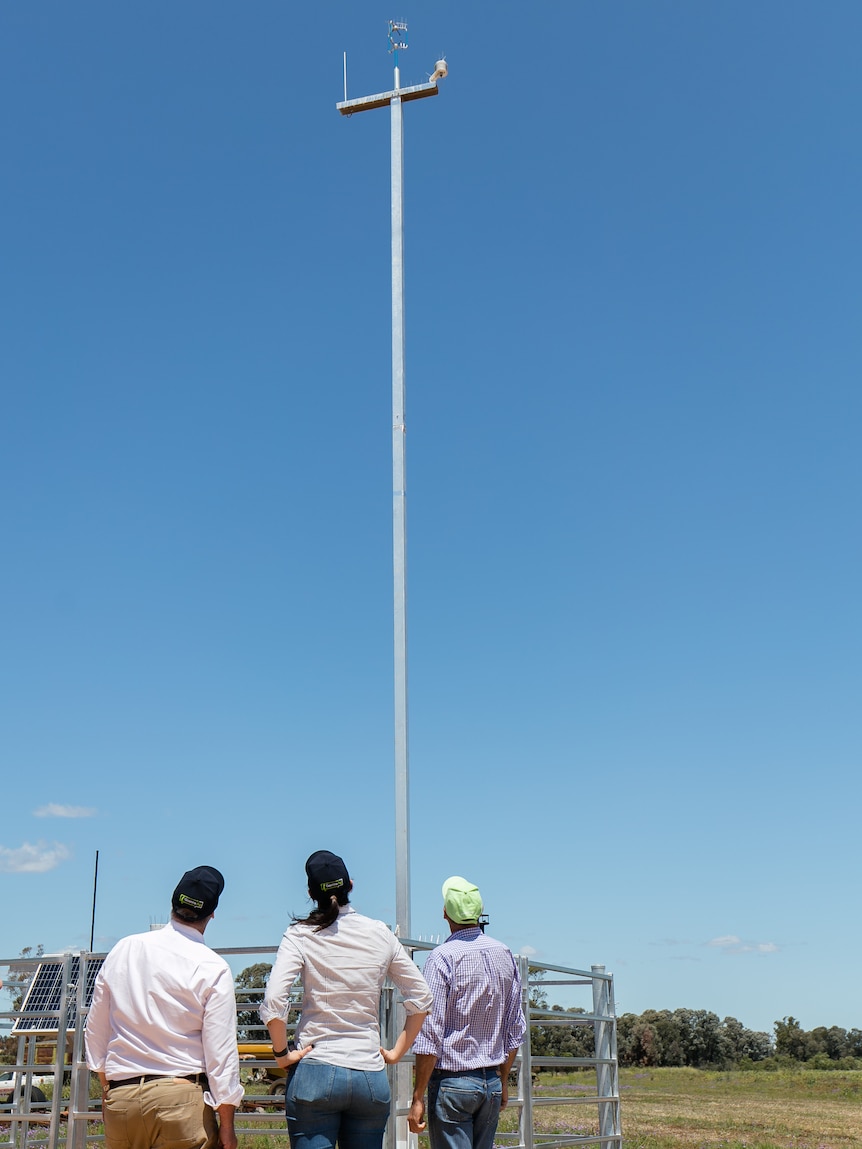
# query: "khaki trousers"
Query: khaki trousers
169,1113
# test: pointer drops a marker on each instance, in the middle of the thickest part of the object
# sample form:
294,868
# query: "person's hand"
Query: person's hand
390,1056
226,1136
504,1081
416,1122
292,1057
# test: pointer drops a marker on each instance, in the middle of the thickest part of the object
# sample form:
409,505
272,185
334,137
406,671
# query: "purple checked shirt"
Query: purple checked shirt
476,1019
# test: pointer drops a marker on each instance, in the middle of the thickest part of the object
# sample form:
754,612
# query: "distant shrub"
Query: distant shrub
821,1061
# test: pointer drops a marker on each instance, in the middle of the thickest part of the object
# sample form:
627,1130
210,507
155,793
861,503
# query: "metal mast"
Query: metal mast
395,99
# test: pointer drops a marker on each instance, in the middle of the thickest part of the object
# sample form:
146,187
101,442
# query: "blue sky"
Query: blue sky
633,252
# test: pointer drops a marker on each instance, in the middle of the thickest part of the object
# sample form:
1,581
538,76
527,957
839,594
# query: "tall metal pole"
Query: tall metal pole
395,99
399,524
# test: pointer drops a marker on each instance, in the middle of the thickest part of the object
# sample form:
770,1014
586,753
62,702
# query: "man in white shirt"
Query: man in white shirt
161,1031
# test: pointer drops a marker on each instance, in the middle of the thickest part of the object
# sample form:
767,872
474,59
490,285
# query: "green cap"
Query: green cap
461,900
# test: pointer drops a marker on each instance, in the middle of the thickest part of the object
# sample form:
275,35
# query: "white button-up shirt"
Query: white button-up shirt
342,970
164,1003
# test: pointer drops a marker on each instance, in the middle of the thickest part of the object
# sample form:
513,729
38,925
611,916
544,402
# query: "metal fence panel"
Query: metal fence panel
59,997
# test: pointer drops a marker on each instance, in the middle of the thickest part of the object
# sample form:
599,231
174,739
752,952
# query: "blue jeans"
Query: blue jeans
463,1108
328,1103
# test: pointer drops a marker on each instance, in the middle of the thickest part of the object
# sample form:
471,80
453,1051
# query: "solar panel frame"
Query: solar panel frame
42,1006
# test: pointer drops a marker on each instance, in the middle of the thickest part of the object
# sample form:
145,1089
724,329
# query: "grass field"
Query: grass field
690,1109
695,1109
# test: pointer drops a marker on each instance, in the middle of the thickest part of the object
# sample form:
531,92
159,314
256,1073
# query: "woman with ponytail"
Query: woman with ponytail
337,1086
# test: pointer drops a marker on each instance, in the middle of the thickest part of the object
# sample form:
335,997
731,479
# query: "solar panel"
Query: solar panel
40,1010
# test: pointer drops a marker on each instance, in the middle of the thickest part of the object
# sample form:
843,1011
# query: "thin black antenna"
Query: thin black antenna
93,919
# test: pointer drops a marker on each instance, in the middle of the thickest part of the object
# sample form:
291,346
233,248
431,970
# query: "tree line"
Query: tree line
700,1039
695,1038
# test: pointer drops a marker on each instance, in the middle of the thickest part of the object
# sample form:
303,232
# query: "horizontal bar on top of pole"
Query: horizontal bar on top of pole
384,99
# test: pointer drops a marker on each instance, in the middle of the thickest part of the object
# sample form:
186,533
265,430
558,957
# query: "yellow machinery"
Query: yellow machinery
257,1055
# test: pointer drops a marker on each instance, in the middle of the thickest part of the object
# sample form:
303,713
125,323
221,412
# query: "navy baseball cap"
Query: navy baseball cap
327,874
197,893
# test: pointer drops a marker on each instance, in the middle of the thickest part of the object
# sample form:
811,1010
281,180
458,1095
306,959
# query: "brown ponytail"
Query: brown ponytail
326,913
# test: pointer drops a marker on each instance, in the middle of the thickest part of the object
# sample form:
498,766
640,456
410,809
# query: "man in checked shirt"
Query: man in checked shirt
466,1047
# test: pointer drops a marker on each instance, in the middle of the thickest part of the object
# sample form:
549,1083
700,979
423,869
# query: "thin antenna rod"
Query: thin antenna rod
345,77
95,885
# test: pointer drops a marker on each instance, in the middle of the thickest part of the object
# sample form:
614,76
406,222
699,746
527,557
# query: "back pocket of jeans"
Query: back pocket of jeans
312,1081
378,1086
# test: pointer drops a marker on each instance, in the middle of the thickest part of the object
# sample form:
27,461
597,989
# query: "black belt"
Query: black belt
483,1071
197,1078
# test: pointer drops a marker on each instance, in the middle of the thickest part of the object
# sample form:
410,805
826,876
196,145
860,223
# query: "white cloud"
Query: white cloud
55,810
731,944
527,952
37,859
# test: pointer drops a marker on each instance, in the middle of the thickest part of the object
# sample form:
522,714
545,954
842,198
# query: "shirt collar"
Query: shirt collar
187,931
468,934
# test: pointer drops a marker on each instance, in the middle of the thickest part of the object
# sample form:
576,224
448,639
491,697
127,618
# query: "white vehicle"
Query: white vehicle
8,1081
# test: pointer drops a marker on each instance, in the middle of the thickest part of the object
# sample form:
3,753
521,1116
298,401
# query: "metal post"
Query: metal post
395,99
399,526
606,1077
525,1078
79,1092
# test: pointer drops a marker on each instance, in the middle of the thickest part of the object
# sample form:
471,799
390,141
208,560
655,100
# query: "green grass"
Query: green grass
682,1109
695,1109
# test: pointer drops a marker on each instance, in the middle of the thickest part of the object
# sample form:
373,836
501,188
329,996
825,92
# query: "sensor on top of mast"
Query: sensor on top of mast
397,36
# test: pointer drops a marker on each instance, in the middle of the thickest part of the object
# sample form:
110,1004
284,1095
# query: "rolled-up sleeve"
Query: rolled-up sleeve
98,1028
430,1039
411,984
515,1024
288,963
218,1036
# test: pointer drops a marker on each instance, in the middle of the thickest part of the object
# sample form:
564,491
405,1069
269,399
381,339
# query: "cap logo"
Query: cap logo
194,903
335,885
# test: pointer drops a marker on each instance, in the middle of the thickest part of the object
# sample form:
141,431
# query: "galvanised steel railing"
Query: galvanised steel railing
49,1028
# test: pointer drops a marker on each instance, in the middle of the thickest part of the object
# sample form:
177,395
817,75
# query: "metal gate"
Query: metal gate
49,1028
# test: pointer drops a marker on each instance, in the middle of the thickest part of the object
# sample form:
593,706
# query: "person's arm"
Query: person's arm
412,1025
218,1042
276,1001
417,1000
98,1028
515,1029
96,1034
278,1037
429,1045
226,1130
425,1063
505,1069
103,1081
